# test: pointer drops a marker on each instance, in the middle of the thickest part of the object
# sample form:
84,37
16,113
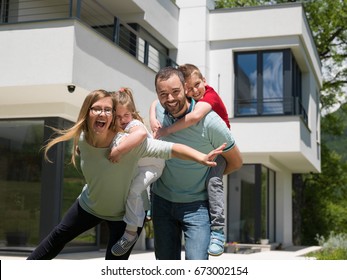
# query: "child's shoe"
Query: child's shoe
123,245
217,241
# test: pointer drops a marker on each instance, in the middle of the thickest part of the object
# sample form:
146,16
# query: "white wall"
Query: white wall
160,19
193,41
34,54
253,22
51,55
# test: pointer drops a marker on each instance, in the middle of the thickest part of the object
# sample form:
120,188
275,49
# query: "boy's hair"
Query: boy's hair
190,69
125,98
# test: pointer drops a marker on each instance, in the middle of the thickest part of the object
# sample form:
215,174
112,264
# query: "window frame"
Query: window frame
291,88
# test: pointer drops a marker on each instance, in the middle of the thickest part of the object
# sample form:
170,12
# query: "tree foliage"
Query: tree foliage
322,197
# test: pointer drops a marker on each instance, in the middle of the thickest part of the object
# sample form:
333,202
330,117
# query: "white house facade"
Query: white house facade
261,60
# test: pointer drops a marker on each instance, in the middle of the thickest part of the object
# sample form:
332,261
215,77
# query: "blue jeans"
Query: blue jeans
170,219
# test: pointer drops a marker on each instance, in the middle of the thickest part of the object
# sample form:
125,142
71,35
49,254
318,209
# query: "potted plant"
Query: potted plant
149,233
17,227
231,247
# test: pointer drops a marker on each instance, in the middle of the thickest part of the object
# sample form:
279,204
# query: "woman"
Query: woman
104,195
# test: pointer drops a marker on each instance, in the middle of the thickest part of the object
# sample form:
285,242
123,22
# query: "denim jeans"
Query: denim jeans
170,219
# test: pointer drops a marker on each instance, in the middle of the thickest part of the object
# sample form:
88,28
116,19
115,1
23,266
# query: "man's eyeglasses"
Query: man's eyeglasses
98,111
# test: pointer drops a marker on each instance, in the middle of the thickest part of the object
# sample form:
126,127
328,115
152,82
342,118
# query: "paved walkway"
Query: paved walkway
290,253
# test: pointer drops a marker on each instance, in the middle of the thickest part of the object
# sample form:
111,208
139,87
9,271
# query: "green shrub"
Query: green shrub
332,248
335,254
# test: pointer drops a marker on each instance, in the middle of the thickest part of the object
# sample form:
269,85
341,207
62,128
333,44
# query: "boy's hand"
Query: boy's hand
155,126
161,132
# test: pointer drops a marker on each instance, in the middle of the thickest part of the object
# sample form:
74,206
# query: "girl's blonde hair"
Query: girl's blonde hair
125,98
82,124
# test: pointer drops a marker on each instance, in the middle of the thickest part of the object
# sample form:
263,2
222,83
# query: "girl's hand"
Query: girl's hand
209,158
115,155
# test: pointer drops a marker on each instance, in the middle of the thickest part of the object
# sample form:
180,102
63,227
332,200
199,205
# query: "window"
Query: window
272,83
35,194
251,205
20,181
4,7
267,83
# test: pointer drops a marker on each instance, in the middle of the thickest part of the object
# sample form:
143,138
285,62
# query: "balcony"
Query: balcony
49,44
130,37
278,141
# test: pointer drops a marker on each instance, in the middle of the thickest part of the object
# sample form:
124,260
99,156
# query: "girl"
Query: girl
150,169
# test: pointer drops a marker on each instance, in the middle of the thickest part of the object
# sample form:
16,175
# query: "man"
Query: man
179,198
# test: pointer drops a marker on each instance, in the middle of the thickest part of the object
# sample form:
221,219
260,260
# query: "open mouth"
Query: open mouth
171,105
100,123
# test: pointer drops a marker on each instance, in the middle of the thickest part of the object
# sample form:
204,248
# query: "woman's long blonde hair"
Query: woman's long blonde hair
82,124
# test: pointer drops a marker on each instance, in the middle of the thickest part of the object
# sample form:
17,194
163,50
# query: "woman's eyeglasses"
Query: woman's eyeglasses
98,111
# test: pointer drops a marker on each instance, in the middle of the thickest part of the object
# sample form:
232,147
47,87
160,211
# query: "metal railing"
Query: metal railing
270,107
95,15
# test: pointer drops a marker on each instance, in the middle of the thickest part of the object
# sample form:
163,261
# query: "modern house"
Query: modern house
261,60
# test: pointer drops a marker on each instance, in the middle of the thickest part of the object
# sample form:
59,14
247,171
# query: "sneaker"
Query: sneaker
123,245
217,241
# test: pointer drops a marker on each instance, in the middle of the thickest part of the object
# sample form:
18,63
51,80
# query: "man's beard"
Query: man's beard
175,110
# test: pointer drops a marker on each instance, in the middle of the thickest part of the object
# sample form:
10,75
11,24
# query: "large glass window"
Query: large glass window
246,93
20,181
267,83
273,83
33,200
251,205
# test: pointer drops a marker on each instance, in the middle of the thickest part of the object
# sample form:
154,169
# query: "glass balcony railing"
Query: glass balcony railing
270,107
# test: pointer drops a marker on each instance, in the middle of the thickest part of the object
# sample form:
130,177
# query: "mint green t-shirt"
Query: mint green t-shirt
184,181
107,184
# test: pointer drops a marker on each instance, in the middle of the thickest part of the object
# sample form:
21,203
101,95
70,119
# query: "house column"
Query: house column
284,208
193,41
